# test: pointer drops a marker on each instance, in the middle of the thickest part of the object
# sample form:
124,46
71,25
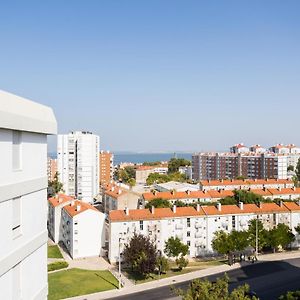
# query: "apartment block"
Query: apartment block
78,164
194,197
51,168
82,229
194,226
106,165
142,172
24,126
116,197
55,205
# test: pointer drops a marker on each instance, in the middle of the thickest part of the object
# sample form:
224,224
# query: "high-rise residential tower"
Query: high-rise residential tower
24,126
106,167
78,164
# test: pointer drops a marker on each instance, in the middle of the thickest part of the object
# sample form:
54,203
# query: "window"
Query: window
16,150
188,233
233,222
141,225
188,221
189,243
16,226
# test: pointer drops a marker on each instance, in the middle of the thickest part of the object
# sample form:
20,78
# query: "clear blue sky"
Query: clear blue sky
159,75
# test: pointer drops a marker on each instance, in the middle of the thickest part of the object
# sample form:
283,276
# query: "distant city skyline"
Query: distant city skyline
159,76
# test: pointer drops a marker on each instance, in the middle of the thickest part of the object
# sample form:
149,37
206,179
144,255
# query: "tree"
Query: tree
297,228
140,254
290,168
175,163
131,182
162,264
158,203
240,240
55,186
297,171
261,234
280,236
174,247
207,290
295,295
125,175
222,242
181,262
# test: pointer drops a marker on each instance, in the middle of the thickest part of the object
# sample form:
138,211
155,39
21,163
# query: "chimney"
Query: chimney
120,192
72,203
78,207
219,206
255,179
260,204
152,210
60,199
172,192
241,205
112,188
174,209
126,211
280,203
279,189
298,202
198,207
222,180
188,192
294,188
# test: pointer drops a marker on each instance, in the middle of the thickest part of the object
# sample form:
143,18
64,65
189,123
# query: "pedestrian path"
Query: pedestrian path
181,278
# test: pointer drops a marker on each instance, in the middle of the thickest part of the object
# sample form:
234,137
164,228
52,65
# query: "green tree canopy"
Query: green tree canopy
55,186
140,254
297,171
174,247
207,290
158,203
161,178
175,163
262,234
222,242
125,175
295,295
281,235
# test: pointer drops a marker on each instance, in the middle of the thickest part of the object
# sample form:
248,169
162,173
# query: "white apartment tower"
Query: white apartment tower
78,164
24,126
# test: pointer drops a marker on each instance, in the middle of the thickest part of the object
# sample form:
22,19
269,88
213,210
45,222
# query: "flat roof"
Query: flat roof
18,113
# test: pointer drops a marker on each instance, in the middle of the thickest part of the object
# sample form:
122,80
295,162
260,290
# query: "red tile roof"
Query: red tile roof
162,213
176,195
244,182
72,208
60,199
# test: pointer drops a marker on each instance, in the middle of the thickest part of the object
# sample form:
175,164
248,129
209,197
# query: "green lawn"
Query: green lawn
58,265
76,282
193,266
54,252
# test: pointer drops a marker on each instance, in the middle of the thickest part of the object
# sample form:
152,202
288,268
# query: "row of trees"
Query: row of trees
142,256
279,236
162,178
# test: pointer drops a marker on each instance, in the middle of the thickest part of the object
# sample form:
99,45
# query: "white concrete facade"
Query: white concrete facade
24,126
82,230
78,164
194,226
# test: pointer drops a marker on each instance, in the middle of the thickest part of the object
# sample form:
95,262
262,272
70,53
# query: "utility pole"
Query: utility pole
120,284
256,237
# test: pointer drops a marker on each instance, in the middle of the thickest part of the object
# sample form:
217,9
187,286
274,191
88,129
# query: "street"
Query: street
269,280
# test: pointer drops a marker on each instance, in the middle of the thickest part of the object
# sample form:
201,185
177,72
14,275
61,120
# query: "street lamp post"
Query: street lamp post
120,283
256,237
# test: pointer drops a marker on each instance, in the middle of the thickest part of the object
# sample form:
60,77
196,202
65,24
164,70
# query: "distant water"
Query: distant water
149,157
137,158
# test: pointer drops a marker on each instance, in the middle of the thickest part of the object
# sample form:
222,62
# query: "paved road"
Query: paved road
269,280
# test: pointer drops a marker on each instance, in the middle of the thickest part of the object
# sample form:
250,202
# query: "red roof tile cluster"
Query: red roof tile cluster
78,207
162,213
244,182
60,199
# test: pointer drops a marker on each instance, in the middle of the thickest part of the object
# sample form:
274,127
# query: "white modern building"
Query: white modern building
78,164
82,229
24,126
194,226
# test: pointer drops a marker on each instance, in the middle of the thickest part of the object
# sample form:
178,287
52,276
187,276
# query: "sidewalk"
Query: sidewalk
182,278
